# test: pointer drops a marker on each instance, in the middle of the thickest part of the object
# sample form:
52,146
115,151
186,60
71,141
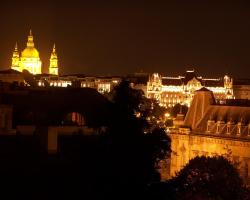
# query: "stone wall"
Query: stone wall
187,146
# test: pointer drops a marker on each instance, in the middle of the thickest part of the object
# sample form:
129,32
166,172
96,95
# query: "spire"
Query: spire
53,53
15,59
15,52
54,48
16,49
53,68
30,42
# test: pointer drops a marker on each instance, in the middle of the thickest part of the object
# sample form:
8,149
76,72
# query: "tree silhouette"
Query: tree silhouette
29,78
178,108
130,155
126,99
208,178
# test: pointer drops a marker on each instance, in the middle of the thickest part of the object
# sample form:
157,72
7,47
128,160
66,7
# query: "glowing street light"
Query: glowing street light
167,115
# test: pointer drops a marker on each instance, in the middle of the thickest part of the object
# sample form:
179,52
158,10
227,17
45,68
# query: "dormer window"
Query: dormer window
219,126
239,128
229,127
210,123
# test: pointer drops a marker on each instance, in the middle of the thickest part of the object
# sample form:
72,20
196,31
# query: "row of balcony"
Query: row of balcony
228,128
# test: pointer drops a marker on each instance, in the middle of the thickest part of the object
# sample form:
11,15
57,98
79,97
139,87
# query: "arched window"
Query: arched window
77,118
74,118
229,127
219,125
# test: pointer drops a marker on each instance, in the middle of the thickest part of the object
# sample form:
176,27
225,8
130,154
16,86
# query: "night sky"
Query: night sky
114,38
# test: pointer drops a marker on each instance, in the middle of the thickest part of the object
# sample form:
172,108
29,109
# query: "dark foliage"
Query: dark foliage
169,123
178,108
206,178
131,155
29,78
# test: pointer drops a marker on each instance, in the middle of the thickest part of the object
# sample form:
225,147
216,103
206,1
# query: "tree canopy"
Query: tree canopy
212,178
178,108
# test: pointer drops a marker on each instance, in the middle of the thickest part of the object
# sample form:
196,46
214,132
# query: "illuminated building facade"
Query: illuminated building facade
212,129
30,59
53,67
101,84
170,91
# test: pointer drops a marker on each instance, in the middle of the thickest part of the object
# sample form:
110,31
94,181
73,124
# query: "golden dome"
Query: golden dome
30,52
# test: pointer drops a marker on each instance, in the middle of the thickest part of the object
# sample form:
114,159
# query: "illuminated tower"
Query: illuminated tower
228,85
154,87
15,59
30,59
53,67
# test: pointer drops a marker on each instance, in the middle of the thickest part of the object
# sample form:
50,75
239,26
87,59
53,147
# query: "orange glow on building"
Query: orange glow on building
30,59
170,91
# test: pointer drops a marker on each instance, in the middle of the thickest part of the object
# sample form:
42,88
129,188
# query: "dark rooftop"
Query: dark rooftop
203,89
10,71
241,82
171,81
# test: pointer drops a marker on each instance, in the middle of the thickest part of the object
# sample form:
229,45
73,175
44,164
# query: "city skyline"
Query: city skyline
122,38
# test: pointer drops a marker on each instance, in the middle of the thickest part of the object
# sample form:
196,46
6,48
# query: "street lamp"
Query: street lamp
167,115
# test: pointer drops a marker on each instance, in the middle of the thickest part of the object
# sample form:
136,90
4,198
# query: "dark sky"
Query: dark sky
104,37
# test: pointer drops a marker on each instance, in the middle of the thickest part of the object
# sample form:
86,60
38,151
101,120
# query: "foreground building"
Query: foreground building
40,112
212,129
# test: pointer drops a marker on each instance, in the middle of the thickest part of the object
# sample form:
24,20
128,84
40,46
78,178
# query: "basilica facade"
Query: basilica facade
30,59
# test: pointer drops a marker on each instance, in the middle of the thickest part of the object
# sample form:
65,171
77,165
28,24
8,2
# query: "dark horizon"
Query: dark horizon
114,38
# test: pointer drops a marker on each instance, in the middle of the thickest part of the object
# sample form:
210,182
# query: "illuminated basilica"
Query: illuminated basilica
30,59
